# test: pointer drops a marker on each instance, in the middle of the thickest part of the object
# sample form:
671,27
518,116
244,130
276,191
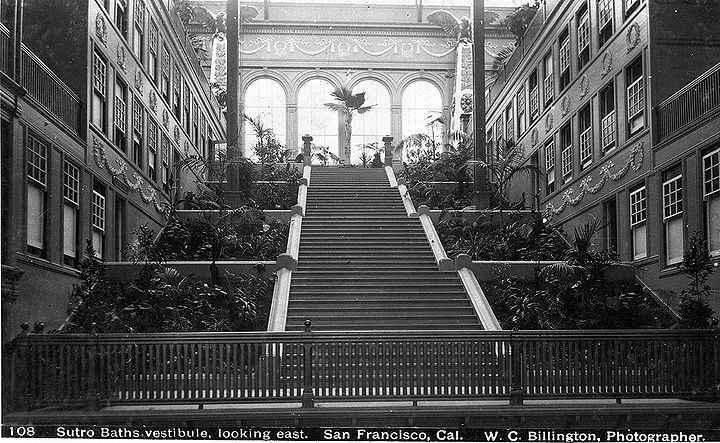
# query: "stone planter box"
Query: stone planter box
125,272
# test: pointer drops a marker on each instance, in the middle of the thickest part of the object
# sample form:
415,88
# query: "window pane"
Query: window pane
315,118
640,241
265,103
69,230
373,125
674,234
421,105
35,216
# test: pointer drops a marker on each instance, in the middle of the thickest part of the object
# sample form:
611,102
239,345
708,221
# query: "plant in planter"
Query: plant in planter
324,155
161,300
694,310
507,163
347,105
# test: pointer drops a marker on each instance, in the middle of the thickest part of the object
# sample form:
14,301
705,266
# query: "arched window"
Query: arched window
373,125
421,107
265,104
314,117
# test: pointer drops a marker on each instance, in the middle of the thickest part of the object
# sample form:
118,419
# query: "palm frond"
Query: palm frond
340,108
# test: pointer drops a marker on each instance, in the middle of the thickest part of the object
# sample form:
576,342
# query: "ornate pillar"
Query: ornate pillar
396,132
291,127
307,154
388,150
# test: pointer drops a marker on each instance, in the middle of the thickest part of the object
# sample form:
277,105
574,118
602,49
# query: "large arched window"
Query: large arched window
265,104
314,118
373,125
421,107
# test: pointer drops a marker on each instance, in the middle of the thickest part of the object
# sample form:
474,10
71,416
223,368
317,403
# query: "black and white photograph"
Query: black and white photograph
360,220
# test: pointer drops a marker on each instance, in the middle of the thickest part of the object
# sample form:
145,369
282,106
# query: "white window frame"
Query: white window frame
636,104
98,223
139,29
566,166
672,209
99,103
548,80
71,205
37,174
565,55
550,162
120,118
638,220
583,33
711,195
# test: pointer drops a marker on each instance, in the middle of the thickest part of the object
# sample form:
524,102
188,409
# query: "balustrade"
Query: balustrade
198,368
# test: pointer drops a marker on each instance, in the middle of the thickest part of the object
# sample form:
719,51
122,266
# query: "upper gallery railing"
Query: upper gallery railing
42,84
689,103
523,46
198,368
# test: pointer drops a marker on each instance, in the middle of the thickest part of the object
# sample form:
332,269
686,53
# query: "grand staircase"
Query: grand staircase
364,265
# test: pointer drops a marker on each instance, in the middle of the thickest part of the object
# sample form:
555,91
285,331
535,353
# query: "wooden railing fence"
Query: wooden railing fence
200,368
689,104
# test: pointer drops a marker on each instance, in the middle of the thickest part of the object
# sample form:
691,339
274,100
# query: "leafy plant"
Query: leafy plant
324,155
518,22
162,300
507,162
347,105
694,310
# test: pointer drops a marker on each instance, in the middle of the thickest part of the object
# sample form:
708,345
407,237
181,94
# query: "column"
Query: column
396,132
291,127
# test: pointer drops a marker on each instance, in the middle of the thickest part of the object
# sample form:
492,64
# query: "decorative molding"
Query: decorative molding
176,134
153,100
607,64
101,28
121,173
466,102
534,136
565,105
120,52
632,38
584,86
139,80
634,162
548,122
186,148
281,47
166,119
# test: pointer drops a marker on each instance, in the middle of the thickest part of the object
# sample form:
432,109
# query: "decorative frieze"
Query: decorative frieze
607,64
101,28
584,86
634,162
120,172
315,46
632,38
120,53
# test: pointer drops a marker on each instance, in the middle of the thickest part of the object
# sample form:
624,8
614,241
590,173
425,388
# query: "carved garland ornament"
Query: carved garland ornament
534,137
120,52
344,48
584,86
565,105
121,172
139,80
153,101
632,38
101,28
176,134
166,119
634,162
466,103
607,64
548,122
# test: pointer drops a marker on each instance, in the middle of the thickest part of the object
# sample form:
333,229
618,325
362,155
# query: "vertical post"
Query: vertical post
16,42
465,122
93,401
307,159
16,392
233,102
388,150
419,7
266,9
516,368
481,195
307,394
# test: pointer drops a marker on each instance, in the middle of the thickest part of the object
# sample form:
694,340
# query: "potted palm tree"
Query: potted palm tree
347,105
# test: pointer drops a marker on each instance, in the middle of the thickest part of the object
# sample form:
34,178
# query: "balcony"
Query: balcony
42,84
689,104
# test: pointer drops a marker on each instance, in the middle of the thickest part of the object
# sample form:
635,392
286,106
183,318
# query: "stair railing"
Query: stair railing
476,294
444,262
287,262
